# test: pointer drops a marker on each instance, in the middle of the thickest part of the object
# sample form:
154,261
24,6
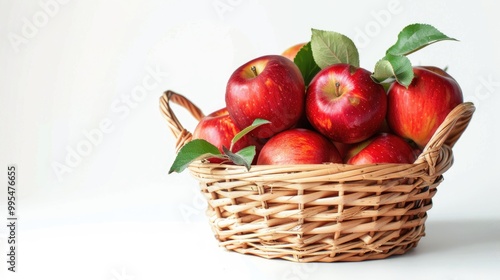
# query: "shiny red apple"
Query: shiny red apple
381,148
416,112
292,51
345,104
269,87
298,146
219,129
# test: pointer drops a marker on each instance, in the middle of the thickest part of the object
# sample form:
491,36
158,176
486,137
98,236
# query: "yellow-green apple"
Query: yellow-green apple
416,112
345,104
219,129
292,51
381,148
298,146
269,87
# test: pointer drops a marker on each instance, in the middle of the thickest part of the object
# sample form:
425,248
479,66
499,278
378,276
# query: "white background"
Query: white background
70,69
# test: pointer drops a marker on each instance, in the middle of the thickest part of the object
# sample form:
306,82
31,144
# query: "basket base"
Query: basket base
380,246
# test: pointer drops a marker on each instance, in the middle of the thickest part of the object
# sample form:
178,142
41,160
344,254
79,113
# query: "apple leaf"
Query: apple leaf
329,47
196,149
199,149
242,157
393,67
256,123
416,36
305,61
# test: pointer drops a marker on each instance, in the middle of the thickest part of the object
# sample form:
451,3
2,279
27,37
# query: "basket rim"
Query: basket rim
331,172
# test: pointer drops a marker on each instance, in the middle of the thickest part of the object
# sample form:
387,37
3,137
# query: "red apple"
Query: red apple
298,146
343,148
269,87
416,112
345,104
303,122
219,129
417,152
292,51
381,148
384,128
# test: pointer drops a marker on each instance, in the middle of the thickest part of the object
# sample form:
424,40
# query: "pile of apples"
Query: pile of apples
341,116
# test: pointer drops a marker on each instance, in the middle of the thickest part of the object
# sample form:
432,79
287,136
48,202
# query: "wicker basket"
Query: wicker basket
322,212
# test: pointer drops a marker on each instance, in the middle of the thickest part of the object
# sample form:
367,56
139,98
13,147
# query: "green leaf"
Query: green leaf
330,47
414,37
256,123
393,67
305,61
193,150
242,157
199,149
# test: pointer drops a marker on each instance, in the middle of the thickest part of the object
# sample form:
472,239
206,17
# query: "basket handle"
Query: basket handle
180,133
447,133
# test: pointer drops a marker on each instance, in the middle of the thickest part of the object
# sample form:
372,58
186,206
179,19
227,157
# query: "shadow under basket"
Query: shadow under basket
321,212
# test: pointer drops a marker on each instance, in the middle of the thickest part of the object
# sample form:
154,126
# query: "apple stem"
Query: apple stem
254,70
337,86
